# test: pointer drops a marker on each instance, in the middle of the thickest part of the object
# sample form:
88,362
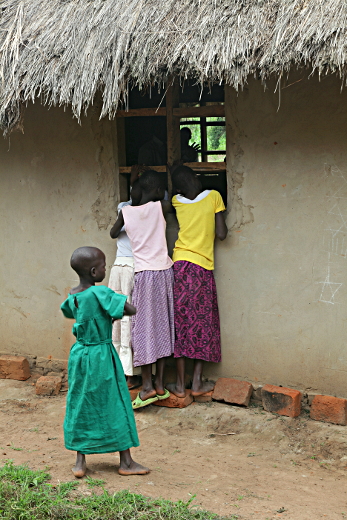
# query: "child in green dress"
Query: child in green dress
99,416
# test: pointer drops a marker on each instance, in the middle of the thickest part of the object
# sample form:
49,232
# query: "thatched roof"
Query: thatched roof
66,50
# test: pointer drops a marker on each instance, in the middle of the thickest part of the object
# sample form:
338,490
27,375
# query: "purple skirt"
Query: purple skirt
152,331
196,313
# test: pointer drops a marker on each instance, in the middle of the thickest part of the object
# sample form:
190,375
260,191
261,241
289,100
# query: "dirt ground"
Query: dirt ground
273,467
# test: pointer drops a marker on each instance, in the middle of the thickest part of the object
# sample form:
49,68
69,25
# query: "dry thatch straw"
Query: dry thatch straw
66,50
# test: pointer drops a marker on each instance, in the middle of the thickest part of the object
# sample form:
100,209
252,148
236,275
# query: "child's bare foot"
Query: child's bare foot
159,388
147,394
174,389
132,469
80,468
128,466
202,388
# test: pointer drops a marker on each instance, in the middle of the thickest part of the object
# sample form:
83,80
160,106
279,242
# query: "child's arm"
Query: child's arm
117,226
129,309
221,227
167,207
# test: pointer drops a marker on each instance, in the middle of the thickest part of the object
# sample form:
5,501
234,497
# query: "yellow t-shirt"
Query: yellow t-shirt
196,235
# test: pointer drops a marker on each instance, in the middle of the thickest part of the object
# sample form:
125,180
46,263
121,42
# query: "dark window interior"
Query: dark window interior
139,130
215,181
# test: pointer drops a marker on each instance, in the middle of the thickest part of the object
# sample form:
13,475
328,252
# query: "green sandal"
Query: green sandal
138,403
164,396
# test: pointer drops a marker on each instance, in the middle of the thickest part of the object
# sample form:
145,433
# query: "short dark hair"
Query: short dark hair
84,258
151,180
182,178
186,131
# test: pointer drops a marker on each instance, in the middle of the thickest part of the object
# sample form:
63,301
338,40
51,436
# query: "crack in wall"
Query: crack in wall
239,213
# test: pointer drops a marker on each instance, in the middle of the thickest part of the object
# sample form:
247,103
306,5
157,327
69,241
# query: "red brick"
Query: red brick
232,391
281,400
330,409
48,385
176,402
204,398
14,367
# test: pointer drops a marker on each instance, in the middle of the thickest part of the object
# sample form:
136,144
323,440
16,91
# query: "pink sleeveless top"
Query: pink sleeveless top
145,226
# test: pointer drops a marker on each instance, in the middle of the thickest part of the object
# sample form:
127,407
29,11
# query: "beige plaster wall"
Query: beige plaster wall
282,272
58,188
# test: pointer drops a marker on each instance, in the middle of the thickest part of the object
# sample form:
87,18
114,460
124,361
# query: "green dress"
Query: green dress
99,416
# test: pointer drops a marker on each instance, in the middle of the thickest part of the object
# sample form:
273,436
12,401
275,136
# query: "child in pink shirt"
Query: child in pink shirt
152,333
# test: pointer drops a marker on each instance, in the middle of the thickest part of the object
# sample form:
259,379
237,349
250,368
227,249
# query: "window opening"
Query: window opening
202,113
209,134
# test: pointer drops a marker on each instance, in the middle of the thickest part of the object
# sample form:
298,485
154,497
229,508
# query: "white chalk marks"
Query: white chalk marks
329,288
335,233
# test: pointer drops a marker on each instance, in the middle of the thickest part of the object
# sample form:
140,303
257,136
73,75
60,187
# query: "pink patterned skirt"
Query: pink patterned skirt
196,313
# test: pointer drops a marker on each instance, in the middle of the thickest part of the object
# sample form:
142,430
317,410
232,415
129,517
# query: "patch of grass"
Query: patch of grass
95,482
26,495
65,488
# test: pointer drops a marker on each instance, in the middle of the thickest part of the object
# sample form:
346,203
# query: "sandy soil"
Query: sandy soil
271,464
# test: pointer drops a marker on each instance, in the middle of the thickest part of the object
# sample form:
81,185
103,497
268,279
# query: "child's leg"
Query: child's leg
80,467
148,389
153,326
178,388
159,376
125,354
129,467
198,386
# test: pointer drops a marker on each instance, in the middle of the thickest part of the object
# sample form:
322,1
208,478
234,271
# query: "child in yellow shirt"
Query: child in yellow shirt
200,217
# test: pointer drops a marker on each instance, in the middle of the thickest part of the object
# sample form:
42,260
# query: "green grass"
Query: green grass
95,482
26,495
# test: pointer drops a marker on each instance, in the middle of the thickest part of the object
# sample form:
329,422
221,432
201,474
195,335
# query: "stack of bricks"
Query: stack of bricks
176,402
275,399
171,402
48,385
53,374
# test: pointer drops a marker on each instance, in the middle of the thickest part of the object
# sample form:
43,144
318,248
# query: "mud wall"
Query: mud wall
281,274
58,191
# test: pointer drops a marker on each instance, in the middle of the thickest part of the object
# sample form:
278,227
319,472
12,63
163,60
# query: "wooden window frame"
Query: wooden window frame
174,113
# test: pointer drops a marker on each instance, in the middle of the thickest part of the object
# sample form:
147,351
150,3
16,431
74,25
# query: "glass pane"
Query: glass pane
216,137
183,119
215,119
196,134
216,158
